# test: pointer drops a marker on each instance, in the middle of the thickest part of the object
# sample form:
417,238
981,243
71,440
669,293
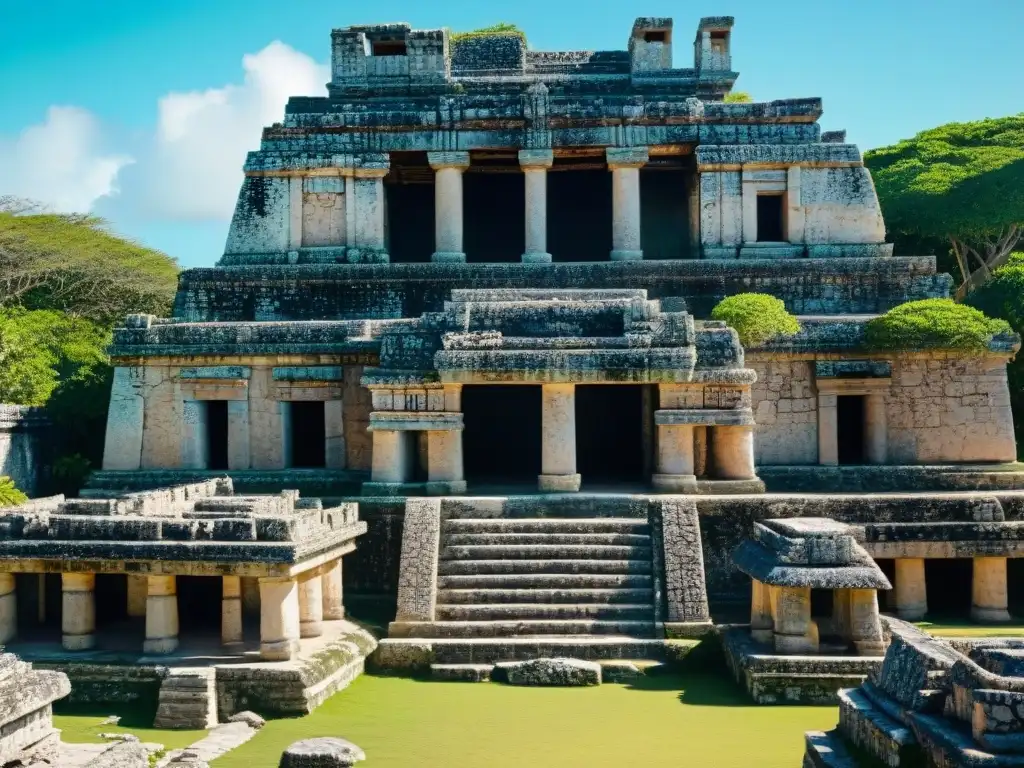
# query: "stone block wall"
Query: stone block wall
24,446
785,407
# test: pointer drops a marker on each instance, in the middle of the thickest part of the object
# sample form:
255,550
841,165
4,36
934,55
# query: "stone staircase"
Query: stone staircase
187,699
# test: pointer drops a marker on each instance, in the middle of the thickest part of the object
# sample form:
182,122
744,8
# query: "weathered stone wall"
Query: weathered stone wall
356,409
24,446
262,221
785,407
949,410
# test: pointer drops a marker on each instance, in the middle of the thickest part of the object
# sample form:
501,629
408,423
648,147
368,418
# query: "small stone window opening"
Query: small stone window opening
216,434
656,36
389,48
719,41
771,225
308,435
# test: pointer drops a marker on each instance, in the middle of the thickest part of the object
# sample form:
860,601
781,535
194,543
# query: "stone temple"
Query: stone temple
463,304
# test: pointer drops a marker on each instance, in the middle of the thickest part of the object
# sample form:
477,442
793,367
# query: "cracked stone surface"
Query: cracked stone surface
554,672
685,592
417,580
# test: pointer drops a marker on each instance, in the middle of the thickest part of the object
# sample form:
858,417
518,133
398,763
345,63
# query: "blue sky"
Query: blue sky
142,111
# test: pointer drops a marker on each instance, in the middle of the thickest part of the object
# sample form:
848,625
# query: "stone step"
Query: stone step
826,750
546,525
531,538
541,595
520,628
458,651
187,699
461,673
543,566
546,611
546,552
548,581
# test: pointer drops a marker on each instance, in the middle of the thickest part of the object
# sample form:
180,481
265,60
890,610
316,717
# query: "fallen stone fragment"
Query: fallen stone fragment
548,672
326,752
251,719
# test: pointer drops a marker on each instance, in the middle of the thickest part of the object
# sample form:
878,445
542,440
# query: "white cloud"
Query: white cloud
60,162
195,168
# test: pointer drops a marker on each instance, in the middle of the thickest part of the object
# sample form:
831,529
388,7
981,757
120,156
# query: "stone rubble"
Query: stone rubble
548,672
325,752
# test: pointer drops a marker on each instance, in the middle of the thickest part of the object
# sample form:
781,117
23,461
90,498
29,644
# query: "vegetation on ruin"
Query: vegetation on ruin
757,317
933,324
962,183
738,97
9,494
501,29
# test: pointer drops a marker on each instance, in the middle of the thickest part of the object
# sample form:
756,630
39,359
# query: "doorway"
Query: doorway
308,435
610,433
501,441
850,428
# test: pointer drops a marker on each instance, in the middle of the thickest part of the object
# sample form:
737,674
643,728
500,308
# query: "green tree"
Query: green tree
961,182
10,496
738,97
73,263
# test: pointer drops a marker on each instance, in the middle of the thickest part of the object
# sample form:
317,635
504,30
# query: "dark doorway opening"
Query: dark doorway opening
579,213
770,225
887,597
610,433
501,440
409,194
665,213
199,603
948,587
216,434
308,435
850,428
494,212
1015,585
111,598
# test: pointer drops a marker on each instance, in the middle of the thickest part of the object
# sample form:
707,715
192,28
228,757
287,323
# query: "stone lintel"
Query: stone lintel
439,160
734,417
415,421
627,157
536,158
852,386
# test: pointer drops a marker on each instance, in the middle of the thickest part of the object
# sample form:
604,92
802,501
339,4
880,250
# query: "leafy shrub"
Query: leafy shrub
933,324
9,495
501,29
757,317
738,97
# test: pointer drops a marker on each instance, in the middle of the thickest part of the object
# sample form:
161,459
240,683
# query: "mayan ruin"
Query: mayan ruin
538,369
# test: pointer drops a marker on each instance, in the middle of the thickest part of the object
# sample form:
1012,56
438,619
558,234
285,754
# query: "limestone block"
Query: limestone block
123,446
332,589
231,611
911,589
238,435
402,657
124,754
989,597
326,752
417,575
161,615
685,593
548,672
251,719
311,606
279,619
78,611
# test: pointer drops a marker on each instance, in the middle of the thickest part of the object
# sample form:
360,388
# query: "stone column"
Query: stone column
876,435
311,605
535,164
333,592
279,618
911,589
78,611
988,590
334,435
558,438
625,164
123,439
795,632
865,626
194,445
444,462
761,624
8,608
231,611
238,435
367,206
828,430
137,591
675,459
161,615
390,461
733,453
448,204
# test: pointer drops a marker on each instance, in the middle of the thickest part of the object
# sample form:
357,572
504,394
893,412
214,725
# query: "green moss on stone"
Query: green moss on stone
756,317
501,29
933,324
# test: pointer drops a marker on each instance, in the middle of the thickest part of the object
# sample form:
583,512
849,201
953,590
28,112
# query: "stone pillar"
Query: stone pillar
311,605
828,430
448,204
333,592
123,439
625,164
78,611
761,624
161,615
8,608
795,632
911,589
194,444
137,592
876,435
535,164
733,453
239,456
675,459
444,462
231,611
334,435
558,438
279,618
390,462
367,206
988,590
865,626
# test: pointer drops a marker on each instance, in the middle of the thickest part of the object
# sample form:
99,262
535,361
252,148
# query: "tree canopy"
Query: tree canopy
756,317
71,262
961,182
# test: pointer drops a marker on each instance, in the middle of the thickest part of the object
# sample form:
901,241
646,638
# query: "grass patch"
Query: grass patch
82,725
965,629
666,720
